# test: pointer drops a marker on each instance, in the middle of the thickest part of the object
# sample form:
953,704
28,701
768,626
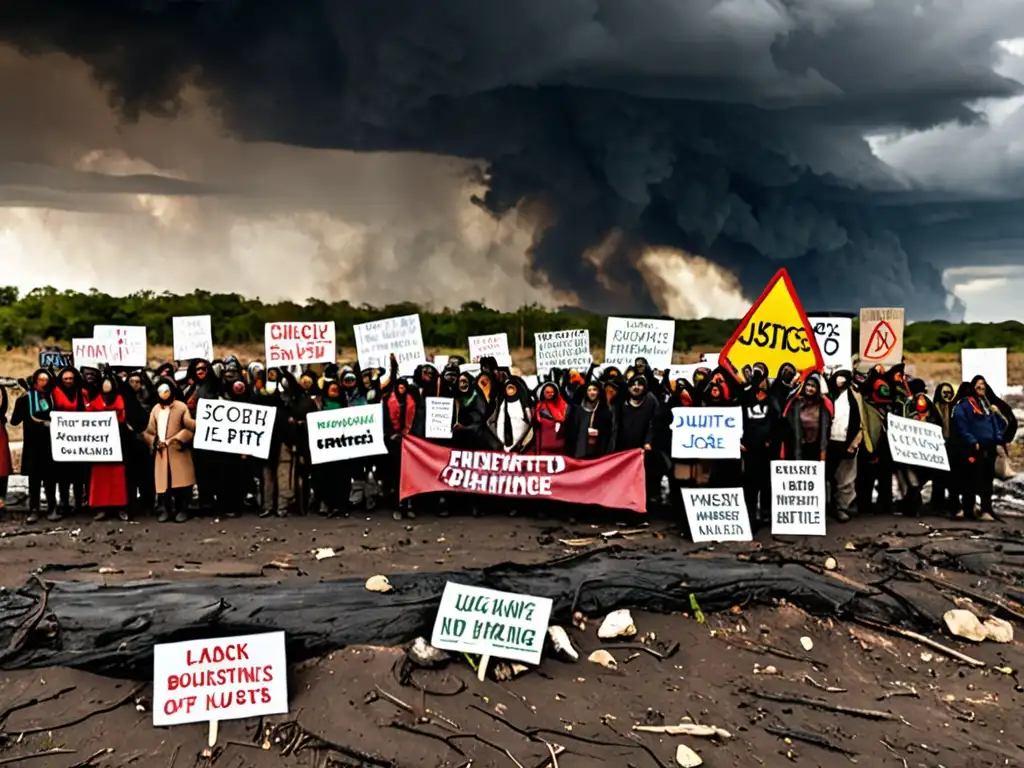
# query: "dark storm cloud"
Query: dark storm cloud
731,128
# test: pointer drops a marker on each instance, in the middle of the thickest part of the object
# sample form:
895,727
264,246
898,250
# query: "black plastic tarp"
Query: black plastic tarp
111,630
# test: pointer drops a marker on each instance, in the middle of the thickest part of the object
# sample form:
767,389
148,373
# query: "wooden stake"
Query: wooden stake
212,740
481,671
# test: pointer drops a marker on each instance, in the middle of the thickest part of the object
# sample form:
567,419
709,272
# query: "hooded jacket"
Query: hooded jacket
976,421
793,441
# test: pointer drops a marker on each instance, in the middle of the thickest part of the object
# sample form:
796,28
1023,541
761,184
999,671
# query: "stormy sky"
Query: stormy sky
624,155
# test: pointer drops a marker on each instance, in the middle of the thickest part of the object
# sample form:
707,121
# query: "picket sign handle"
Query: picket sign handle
481,671
212,740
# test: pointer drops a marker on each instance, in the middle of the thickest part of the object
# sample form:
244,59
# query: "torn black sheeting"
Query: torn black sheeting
111,630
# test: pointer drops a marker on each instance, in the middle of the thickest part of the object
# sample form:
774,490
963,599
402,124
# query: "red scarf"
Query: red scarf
395,412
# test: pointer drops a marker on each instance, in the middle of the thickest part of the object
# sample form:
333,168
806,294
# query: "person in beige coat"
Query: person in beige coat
169,435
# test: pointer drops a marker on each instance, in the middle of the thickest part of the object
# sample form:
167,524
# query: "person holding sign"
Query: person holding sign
108,488
33,410
980,428
400,408
170,432
806,422
70,396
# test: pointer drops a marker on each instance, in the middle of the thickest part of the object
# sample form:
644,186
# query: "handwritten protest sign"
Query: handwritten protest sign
504,625
240,428
304,343
346,433
881,336
626,339
85,437
917,443
835,340
402,336
494,345
798,498
990,363
126,344
774,331
684,371
562,349
709,360
440,415
706,433
89,353
440,362
226,678
54,357
718,514
193,337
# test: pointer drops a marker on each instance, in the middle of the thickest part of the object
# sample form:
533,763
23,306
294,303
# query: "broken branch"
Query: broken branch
934,645
868,714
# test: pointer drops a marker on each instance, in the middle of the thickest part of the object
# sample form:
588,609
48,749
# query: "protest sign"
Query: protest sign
227,678
626,339
440,362
85,437
240,428
346,433
881,336
684,371
377,340
504,625
531,381
990,363
562,349
917,443
798,498
126,344
615,481
303,343
494,345
709,360
835,340
440,415
54,357
774,331
193,337
706,433
89,353
717,514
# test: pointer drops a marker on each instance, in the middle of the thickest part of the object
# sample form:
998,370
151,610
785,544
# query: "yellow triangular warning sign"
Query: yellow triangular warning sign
774,331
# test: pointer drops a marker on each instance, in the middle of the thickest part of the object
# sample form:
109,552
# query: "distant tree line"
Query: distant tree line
47,314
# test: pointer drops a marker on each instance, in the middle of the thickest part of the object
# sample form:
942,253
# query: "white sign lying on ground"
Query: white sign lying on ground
193,337
562,349
990,363
346,433
717,514
402,337
917,443
240,428
626,339
706,433
227,678
504,625
798,498
440,415
85,437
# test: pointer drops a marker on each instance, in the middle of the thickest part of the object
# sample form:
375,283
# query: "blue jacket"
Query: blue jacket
975,428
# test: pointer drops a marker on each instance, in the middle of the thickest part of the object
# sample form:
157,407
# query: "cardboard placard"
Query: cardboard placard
346,433
717,514
835,340
193,337
562,349
227,678
707,433
917,443
244,429
990,363
493,345
300,343
504,625
85,437
126,344
89,353
440,415
798,498
402,336
628,338
881,336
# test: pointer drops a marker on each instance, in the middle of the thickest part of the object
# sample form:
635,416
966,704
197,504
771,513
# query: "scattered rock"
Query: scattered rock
603,658
617,624
379,583
562,644
998,630
506,670
108,570
322,553
579,621
687,758
423,654
965,624
831,563
686,729
807,643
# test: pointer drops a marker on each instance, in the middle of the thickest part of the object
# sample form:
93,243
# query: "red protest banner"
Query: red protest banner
615,481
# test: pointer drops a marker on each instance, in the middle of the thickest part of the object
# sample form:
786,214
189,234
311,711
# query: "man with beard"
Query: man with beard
844,439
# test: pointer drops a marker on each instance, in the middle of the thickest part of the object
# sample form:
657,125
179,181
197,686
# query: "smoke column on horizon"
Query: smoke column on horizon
621,156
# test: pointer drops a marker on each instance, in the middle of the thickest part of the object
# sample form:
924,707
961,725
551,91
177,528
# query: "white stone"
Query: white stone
617,624
965,624
603,658
687,758
379,583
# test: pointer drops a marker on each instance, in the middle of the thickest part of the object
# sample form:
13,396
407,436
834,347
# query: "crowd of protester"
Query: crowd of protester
582,414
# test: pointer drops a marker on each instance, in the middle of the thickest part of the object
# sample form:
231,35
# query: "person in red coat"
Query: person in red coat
108,487
550,417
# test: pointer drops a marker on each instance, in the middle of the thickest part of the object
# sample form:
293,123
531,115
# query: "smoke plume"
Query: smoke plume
618,154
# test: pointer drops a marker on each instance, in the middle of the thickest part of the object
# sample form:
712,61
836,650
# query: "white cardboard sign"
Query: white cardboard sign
494,345
227,678
193,337
89,353
85,437
244,429
504,625
626,339
707,433
990,363
835,340
346,433
378,339
717,514
126,344
440,415
917,443
300,343
562,349
798,498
